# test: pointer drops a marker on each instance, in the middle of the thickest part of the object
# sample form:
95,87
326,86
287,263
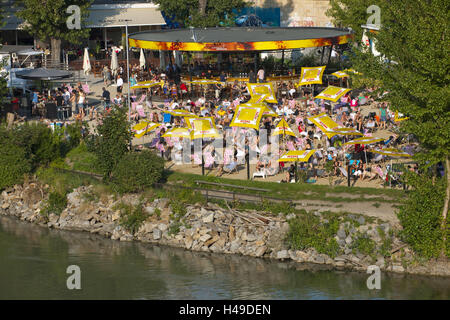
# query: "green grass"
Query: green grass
82,160
287,191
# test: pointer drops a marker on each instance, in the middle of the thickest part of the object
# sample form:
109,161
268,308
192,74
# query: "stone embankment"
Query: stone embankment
210,228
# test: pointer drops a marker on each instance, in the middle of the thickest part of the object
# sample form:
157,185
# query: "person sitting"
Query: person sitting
228,168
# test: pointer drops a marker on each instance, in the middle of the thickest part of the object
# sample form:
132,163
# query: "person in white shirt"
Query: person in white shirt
119,84
261,75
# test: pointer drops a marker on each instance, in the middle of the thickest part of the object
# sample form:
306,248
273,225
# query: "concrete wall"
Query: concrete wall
299,12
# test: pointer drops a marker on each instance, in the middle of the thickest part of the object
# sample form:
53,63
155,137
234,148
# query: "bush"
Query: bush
137,171
306,231
55,204
132,218
111,142
14,164
421,215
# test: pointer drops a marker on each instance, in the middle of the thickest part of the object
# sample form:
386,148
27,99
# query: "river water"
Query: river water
33,263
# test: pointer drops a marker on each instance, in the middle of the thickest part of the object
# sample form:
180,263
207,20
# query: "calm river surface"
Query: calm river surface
33,263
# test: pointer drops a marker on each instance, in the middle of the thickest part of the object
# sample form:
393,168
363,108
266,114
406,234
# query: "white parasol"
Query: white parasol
86,62
142,60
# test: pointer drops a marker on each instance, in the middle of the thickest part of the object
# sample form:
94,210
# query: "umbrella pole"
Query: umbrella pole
348,174
295,173
247,158
203,165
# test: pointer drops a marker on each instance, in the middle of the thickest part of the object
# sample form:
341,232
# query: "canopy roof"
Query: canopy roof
43,74
239,38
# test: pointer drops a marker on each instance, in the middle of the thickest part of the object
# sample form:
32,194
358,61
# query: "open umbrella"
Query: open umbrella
147,84
391,152
178,133
332,93
143,127
364,140
181,113
283,129
142,59
86,62
296,156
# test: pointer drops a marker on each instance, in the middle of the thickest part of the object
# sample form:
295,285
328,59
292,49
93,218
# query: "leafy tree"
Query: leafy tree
47,20
137,171
201,13
413,68
111,141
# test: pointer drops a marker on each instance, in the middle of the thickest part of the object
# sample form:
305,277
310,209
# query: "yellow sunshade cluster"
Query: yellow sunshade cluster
332,93
331,128
203,81
147,84
248,116
143,127
397,119
262,89
311,75
340,74
391,152
178,133
364,140
181,113
297,155
203,127
283,129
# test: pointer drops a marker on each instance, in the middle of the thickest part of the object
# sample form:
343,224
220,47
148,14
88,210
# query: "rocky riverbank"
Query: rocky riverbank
211,228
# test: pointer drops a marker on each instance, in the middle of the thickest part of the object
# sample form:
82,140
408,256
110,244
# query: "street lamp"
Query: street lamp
128,67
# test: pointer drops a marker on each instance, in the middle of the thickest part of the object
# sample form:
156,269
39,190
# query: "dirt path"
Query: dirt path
384,211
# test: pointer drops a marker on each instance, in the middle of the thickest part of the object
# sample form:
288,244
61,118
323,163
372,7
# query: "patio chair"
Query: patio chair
140,111
85,88
261,173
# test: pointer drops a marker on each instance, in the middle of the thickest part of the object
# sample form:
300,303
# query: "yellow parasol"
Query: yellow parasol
364,140
332,93
248,116
345,131
257,90
144,127
203,81
181,113
397,119
178,133
203,127
297,155
340,74
147,84
283,129
311,75
330,127
391,152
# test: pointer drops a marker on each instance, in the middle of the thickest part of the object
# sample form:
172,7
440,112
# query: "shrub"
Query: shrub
111,141
137,171
132,218
421,215
14,164
306,231
365,246
55,203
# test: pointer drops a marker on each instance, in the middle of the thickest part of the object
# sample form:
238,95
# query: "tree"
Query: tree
413,68
111,141
201,13
47,20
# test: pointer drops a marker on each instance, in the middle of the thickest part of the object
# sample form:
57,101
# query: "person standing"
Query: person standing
252,76
119,84
261,75
106,97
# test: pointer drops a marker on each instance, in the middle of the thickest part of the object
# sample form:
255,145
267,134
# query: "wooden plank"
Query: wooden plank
231,185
